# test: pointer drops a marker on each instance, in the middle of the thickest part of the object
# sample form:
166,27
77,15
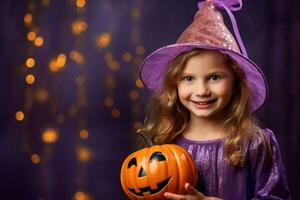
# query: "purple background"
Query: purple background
270,31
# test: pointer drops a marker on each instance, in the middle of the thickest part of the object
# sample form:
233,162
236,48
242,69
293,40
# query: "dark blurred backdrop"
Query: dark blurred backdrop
71,99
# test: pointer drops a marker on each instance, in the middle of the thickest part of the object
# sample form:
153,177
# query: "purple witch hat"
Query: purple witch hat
208,31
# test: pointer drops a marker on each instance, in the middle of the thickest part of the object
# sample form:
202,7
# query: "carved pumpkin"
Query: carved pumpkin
150,172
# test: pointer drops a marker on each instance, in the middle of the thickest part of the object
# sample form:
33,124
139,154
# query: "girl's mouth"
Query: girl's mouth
204,102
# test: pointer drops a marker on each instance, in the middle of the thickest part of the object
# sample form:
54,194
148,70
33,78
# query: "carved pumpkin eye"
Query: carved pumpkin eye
157,156
132,162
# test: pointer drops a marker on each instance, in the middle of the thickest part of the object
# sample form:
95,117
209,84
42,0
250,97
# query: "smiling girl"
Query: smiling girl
205,92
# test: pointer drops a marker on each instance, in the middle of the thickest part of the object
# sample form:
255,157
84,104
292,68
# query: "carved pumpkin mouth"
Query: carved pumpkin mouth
160,186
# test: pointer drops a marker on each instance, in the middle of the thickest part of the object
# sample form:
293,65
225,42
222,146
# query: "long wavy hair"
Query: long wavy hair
167,117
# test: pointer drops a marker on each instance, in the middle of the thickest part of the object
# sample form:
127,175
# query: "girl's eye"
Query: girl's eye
188,78
214,77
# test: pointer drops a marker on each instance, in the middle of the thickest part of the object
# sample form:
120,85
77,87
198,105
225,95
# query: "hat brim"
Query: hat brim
153,68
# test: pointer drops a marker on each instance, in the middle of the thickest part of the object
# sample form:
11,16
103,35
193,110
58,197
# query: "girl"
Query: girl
205,93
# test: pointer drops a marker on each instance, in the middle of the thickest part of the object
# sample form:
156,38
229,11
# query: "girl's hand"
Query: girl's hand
192,194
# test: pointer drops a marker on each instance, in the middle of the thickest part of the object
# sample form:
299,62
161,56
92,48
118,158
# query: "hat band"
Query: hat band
228,6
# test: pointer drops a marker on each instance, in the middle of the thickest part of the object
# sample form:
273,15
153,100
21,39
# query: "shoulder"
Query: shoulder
262,138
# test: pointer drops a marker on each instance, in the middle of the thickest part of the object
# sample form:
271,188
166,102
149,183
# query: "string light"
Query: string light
79,27
84,134
77,57
30,79
50,136
35,159
134,95
81,196
139,83
115,113
19,116
84,154
30,62
103,40
61,60
80,3
127,57
39,41
109,102
28,19
140,50
31,36
42,95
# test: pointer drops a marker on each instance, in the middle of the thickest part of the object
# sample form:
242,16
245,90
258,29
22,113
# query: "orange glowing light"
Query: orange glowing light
109,102
31,36
82,196
20,116
30,62
28,18
115,113
84,154
79,27
77,57
103,40
35,159
134,95
61,60
53,66
39,41
140,50
139,83
30,79
50,136
84,134
80,3
127,57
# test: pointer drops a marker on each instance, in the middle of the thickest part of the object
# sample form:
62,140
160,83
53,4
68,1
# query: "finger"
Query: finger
192,191
169,195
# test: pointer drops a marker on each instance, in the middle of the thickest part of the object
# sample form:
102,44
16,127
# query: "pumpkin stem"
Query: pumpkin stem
146,136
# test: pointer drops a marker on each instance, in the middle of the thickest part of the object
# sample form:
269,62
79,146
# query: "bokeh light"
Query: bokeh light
134,95
115,113
30,62
28,18
140,50
19,116
82,196
80,3
127,57
50,135
139,83
103,40
84,134
35,159
39,41
84,154
77,57
31,36
79,27
61,60
30,79
109,102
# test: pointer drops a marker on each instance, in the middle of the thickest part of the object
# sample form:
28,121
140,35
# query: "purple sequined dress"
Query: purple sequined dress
253,181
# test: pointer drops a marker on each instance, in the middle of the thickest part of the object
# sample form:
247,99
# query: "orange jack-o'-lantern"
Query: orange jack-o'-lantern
150,172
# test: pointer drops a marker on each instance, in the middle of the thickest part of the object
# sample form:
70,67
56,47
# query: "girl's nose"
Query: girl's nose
202,90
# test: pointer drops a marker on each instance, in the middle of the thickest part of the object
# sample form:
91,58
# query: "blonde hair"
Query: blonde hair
167,117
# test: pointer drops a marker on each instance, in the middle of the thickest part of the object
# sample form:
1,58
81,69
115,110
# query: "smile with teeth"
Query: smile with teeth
204,102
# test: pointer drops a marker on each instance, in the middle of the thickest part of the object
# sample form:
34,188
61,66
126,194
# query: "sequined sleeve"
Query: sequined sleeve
269,181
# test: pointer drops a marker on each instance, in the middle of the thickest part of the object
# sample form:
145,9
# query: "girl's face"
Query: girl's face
206,85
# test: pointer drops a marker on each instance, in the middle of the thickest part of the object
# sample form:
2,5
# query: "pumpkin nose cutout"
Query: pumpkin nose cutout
142,172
